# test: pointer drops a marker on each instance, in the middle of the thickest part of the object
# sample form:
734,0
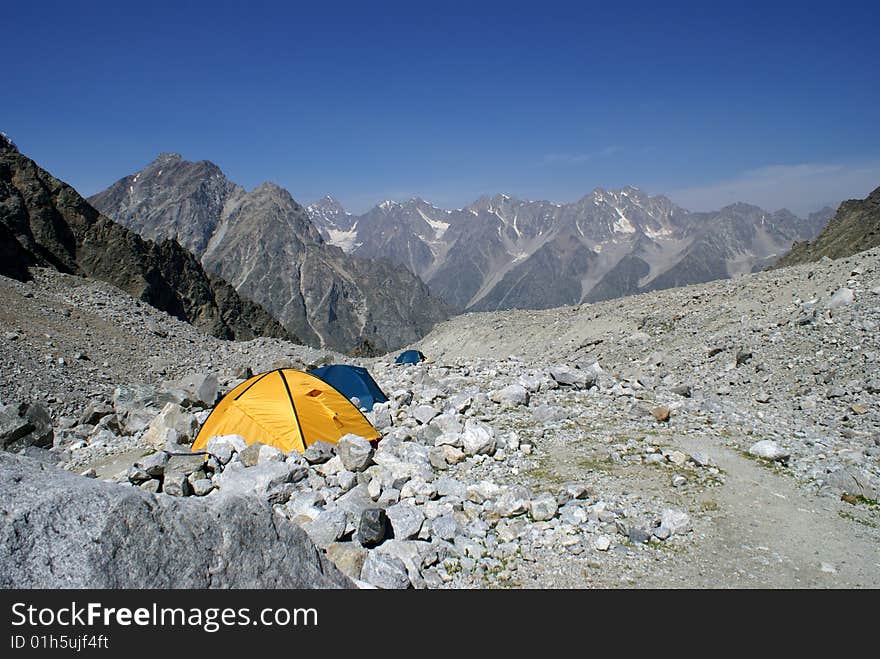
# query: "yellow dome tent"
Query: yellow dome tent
285,408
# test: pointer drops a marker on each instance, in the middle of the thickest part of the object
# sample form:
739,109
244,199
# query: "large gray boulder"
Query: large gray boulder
61,530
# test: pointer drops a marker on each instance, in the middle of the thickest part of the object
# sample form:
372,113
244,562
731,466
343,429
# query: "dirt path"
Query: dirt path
768,532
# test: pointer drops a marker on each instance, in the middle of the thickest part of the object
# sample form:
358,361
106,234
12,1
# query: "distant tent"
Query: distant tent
285,408
352,381
410,357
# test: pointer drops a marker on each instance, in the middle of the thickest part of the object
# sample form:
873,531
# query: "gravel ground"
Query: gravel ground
654,403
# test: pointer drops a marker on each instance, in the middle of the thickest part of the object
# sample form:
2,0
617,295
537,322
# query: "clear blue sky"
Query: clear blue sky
772,103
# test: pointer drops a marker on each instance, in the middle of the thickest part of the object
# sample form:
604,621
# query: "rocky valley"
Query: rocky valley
719,435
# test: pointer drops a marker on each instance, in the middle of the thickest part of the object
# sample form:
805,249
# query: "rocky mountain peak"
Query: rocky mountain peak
6,143
328,204
274,251
44,222
167,157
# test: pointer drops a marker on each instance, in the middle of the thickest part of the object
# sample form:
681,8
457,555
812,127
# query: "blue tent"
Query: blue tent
351,381
409,357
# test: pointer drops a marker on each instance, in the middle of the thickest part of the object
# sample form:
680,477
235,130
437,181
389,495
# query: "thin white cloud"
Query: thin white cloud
802,188
578,158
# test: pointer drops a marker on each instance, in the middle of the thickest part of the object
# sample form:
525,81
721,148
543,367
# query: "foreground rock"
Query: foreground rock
64,531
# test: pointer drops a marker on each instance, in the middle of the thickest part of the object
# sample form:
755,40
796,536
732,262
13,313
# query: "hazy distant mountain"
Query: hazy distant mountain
265,244
854,228
44,222
502,252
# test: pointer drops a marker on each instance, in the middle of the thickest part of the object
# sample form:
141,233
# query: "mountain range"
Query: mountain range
502,253
45,222
264,243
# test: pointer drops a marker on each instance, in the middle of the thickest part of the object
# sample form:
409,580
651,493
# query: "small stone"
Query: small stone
154,464
184,464
151,486
372,529
176,484
638,535
769,450
676,522
513,501
202,486
743,356
452,455
858,409
762,397
424,413
842,298
319,452
406,520
683,390
348,557
385,571
661,414
513,395
223,446
543,507
172,425
678,480
137,475
250,456
444,527
602,543
355,452
478,439
326,528
270,454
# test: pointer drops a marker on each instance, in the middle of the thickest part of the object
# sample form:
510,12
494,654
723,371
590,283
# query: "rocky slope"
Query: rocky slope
501,253
854,228
45,222
720,435
263,242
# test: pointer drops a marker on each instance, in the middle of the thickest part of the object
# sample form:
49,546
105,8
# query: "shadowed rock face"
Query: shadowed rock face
61,530
503,253
44,222
854,228
265,245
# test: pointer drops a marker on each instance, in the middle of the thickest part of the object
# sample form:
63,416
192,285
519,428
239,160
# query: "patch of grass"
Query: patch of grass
772,465
864,522
544,475
596,464
865,501
708,506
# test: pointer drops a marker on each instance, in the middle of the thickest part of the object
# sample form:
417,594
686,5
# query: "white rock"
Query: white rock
512,395
769,450
270,454
478,439
842,298
406,520
602,543
424,413
544,507
676,522
355,452
222,446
